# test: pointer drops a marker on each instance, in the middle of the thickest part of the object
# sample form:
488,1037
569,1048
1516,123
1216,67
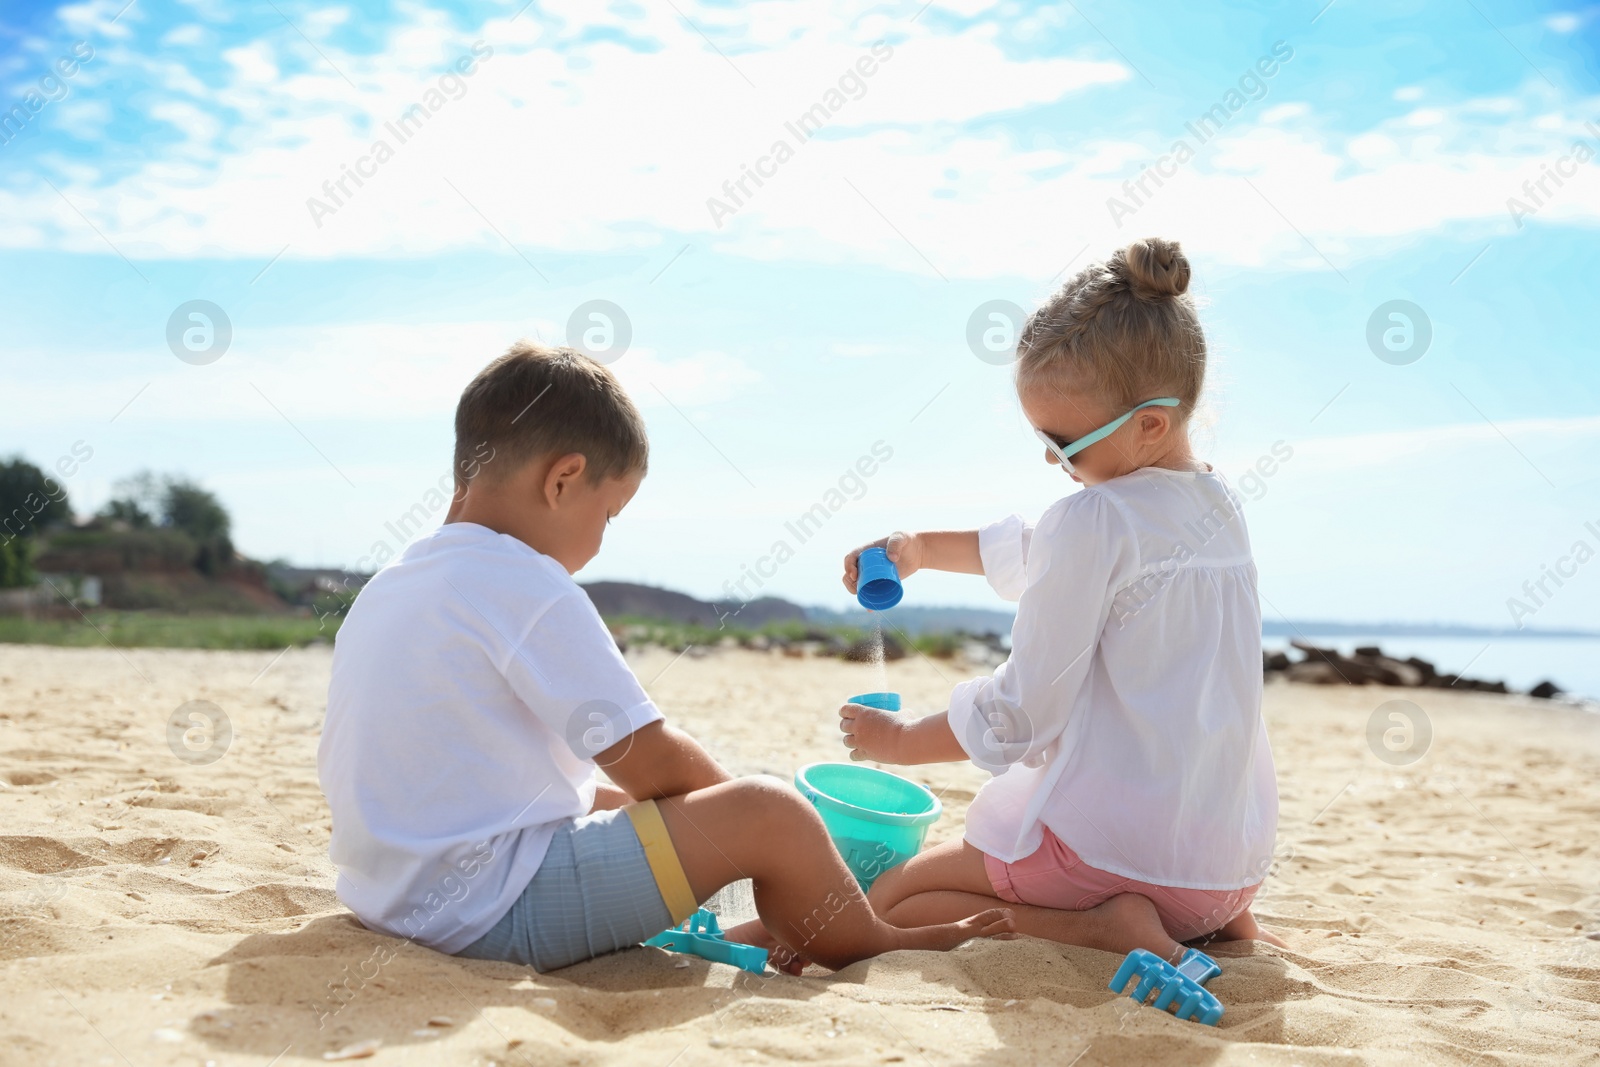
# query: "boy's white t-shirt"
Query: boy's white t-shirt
1128,717
473,682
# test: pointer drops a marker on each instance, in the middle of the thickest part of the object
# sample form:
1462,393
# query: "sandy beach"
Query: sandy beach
156,911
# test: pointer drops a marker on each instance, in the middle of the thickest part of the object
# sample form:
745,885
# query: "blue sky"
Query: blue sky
773,345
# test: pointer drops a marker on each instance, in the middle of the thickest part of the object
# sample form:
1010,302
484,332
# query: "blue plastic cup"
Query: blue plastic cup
881,701
878,586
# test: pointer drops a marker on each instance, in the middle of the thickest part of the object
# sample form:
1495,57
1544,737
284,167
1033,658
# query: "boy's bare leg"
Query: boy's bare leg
949,881
759,828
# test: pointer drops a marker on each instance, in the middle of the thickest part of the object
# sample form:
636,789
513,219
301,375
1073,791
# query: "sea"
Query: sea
1572,663
1520,659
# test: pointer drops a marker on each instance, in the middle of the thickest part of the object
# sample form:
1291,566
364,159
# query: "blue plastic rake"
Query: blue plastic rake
1178,989
700,935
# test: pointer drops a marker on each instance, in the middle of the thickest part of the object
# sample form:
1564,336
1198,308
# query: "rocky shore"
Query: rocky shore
1368,665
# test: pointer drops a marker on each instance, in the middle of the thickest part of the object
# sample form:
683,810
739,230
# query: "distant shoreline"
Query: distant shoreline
976,620
1293,628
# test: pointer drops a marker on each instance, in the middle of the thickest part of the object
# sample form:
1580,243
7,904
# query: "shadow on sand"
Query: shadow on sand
332,983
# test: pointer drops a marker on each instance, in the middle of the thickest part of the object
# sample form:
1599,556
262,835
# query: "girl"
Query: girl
1133,803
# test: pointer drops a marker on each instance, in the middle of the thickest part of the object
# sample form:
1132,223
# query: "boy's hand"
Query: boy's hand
904,551
871,734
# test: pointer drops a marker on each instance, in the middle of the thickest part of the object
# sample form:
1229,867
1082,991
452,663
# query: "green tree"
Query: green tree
127,511
29,499
15,569
145,500
197,512
137,503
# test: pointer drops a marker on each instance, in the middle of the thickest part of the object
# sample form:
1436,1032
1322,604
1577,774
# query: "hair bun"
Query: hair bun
1154,268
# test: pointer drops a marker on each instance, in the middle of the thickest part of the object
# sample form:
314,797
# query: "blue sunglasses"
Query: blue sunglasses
1064,451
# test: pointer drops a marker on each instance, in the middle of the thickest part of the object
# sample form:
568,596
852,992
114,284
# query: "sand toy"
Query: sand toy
1179,989
700,935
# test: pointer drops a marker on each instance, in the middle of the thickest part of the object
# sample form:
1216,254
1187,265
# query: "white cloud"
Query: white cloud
866,350
189,33
1388,448
253,63
95,17
1426,116
610,152
1492,105
708,377
360,370
201,127
210,10
324,19
1284,112
83,117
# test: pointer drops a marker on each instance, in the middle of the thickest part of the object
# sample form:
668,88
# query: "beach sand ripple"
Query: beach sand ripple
155,910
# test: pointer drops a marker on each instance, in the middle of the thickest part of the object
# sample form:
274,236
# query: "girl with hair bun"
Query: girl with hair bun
1134,802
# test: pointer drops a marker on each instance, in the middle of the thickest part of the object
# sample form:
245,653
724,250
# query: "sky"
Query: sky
1399,314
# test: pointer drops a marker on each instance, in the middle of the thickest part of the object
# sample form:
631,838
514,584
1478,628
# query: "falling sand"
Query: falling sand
875,658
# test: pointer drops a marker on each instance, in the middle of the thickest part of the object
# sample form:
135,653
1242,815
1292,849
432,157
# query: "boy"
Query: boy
475,691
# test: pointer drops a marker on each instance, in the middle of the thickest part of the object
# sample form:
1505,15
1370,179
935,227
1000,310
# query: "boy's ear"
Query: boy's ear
559,479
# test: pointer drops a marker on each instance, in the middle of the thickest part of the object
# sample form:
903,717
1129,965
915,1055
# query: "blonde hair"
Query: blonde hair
1125,330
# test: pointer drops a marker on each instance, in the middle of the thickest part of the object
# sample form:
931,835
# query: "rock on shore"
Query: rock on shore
1367,665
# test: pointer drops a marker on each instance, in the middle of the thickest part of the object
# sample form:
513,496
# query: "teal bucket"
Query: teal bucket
876,819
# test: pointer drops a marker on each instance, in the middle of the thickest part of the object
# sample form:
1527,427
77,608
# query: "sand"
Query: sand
154,911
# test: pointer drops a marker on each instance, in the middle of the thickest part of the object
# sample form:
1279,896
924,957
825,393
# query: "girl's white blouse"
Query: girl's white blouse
1128,717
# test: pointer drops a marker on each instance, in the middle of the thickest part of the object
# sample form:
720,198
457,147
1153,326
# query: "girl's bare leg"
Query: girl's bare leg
761,829
949,881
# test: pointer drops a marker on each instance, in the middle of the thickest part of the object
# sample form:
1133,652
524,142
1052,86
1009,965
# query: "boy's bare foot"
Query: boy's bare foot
998,923
756,933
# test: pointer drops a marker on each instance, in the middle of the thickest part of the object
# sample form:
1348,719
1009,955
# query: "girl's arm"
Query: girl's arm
949,550
1081,553
886,737
936,550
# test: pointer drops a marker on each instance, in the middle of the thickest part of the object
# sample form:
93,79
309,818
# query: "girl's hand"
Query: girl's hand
904,551
871,734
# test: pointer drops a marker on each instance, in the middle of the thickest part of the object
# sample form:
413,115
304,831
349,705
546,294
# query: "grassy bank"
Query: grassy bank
139,629
836,638
151,629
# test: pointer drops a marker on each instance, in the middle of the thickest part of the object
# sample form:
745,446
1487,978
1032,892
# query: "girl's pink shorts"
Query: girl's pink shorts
1055,877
